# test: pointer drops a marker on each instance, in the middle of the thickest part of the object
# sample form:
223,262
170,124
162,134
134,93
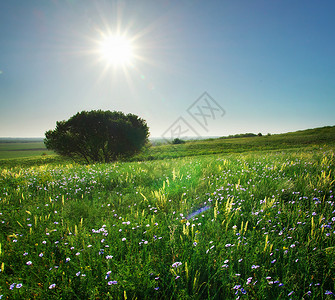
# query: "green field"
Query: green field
249,218
19,148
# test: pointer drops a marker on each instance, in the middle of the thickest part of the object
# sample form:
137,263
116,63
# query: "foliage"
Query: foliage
98,136
178,141
256,225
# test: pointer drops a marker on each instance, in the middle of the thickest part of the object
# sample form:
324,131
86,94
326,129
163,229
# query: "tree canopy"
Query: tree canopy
98,136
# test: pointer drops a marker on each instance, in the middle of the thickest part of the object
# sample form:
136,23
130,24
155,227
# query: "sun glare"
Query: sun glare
116,50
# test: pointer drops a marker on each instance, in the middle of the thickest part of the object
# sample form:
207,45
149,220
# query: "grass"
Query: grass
20,149
255,225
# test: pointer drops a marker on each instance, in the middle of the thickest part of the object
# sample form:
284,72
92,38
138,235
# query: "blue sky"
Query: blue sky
268,66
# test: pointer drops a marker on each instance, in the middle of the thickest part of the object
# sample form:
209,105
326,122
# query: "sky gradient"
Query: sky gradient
267,66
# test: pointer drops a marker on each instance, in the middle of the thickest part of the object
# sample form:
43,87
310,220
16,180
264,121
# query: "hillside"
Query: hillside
291,140
17,149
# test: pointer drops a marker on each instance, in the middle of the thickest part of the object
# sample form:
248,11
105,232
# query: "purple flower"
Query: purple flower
19,285
112,282
176,264
52,286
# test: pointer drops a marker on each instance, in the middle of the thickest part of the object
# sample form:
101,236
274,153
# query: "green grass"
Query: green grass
116,231
295,140
17,149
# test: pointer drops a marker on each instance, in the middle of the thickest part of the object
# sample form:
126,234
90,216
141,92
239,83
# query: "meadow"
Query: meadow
20,148
236,225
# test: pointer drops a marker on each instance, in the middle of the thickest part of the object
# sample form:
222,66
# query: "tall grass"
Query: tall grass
261,227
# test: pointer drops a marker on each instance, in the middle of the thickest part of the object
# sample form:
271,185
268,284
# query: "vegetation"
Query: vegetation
16,148
177,141
98,136
254,225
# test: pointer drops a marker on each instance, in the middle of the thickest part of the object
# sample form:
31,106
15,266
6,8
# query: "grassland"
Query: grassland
243,224
19,148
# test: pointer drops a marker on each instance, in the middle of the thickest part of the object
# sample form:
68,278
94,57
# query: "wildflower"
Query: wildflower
225,266
124,239
52,286
78,273
109,256
157,288
28,263
176,264
112,282
40,255
290,293
177,277
329,293
67,259
254,266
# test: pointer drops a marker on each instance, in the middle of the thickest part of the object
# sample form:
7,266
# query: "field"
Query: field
18,148
256,222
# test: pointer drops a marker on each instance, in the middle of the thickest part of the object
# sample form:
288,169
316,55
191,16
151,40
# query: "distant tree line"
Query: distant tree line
241,135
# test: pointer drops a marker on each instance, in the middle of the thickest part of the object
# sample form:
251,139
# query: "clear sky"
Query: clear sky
267,66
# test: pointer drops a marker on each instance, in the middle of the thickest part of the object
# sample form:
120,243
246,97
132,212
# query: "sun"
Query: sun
116,49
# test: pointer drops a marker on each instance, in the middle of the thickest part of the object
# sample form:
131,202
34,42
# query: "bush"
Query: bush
178,141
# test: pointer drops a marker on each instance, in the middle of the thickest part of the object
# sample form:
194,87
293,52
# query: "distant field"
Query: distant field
292,140
30,148
20,149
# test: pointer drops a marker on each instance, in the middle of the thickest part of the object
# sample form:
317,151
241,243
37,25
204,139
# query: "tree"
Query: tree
178,141
98,136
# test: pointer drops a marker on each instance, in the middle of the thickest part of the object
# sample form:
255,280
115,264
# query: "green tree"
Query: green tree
98,136
178,141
